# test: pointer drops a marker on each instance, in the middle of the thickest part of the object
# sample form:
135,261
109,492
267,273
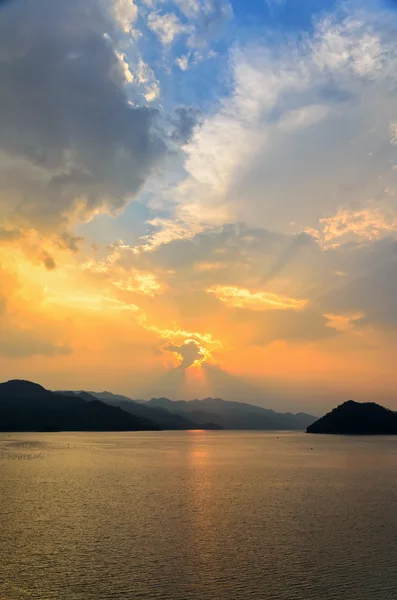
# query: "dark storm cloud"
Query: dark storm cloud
70,140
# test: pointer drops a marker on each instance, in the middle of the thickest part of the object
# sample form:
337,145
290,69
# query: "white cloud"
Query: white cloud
167,27
190,8
146,77
303,126
167,230
125,13
304,117
183,62
350,44
125,67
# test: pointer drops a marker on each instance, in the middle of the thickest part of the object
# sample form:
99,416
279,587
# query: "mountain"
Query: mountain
166,419
233,415
27,406
358,418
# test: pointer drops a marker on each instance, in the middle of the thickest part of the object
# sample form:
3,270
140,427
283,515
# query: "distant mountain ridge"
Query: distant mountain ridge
165,418
210,412
235,415
357,418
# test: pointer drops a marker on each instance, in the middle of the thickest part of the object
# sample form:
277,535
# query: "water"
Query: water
197,516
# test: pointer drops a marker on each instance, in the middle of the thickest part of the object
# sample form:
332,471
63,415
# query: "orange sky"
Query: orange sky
161,238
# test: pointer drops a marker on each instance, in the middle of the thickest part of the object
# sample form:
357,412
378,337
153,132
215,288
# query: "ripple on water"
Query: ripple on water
216,516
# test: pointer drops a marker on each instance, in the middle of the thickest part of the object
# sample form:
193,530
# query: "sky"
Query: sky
198,198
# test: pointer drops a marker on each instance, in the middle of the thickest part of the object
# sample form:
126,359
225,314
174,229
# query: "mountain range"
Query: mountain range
208,413
27,406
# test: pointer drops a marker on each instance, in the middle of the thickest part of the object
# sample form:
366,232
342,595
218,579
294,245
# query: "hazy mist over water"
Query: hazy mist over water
197,516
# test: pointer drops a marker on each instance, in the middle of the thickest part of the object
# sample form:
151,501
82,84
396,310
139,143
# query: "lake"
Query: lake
197,516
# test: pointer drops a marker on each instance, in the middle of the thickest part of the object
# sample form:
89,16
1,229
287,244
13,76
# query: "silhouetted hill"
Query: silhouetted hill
165,418
234,415
357,418
27,406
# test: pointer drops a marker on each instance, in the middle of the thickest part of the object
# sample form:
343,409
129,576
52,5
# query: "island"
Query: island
357,418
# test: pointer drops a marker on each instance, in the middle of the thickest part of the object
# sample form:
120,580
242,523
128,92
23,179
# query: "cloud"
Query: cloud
229,255
69,241
186,120
117,284
342,322
125,67
199,21
243,298
183,62
164,231
189,353
125,13
146,77
291,326
214,281
289,254
116,271
167,27
352,44
305,126
141,283
47,260
373,222
73,144
370,294
209,17
9,235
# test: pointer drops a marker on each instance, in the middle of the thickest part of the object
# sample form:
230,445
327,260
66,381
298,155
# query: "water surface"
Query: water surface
197,516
